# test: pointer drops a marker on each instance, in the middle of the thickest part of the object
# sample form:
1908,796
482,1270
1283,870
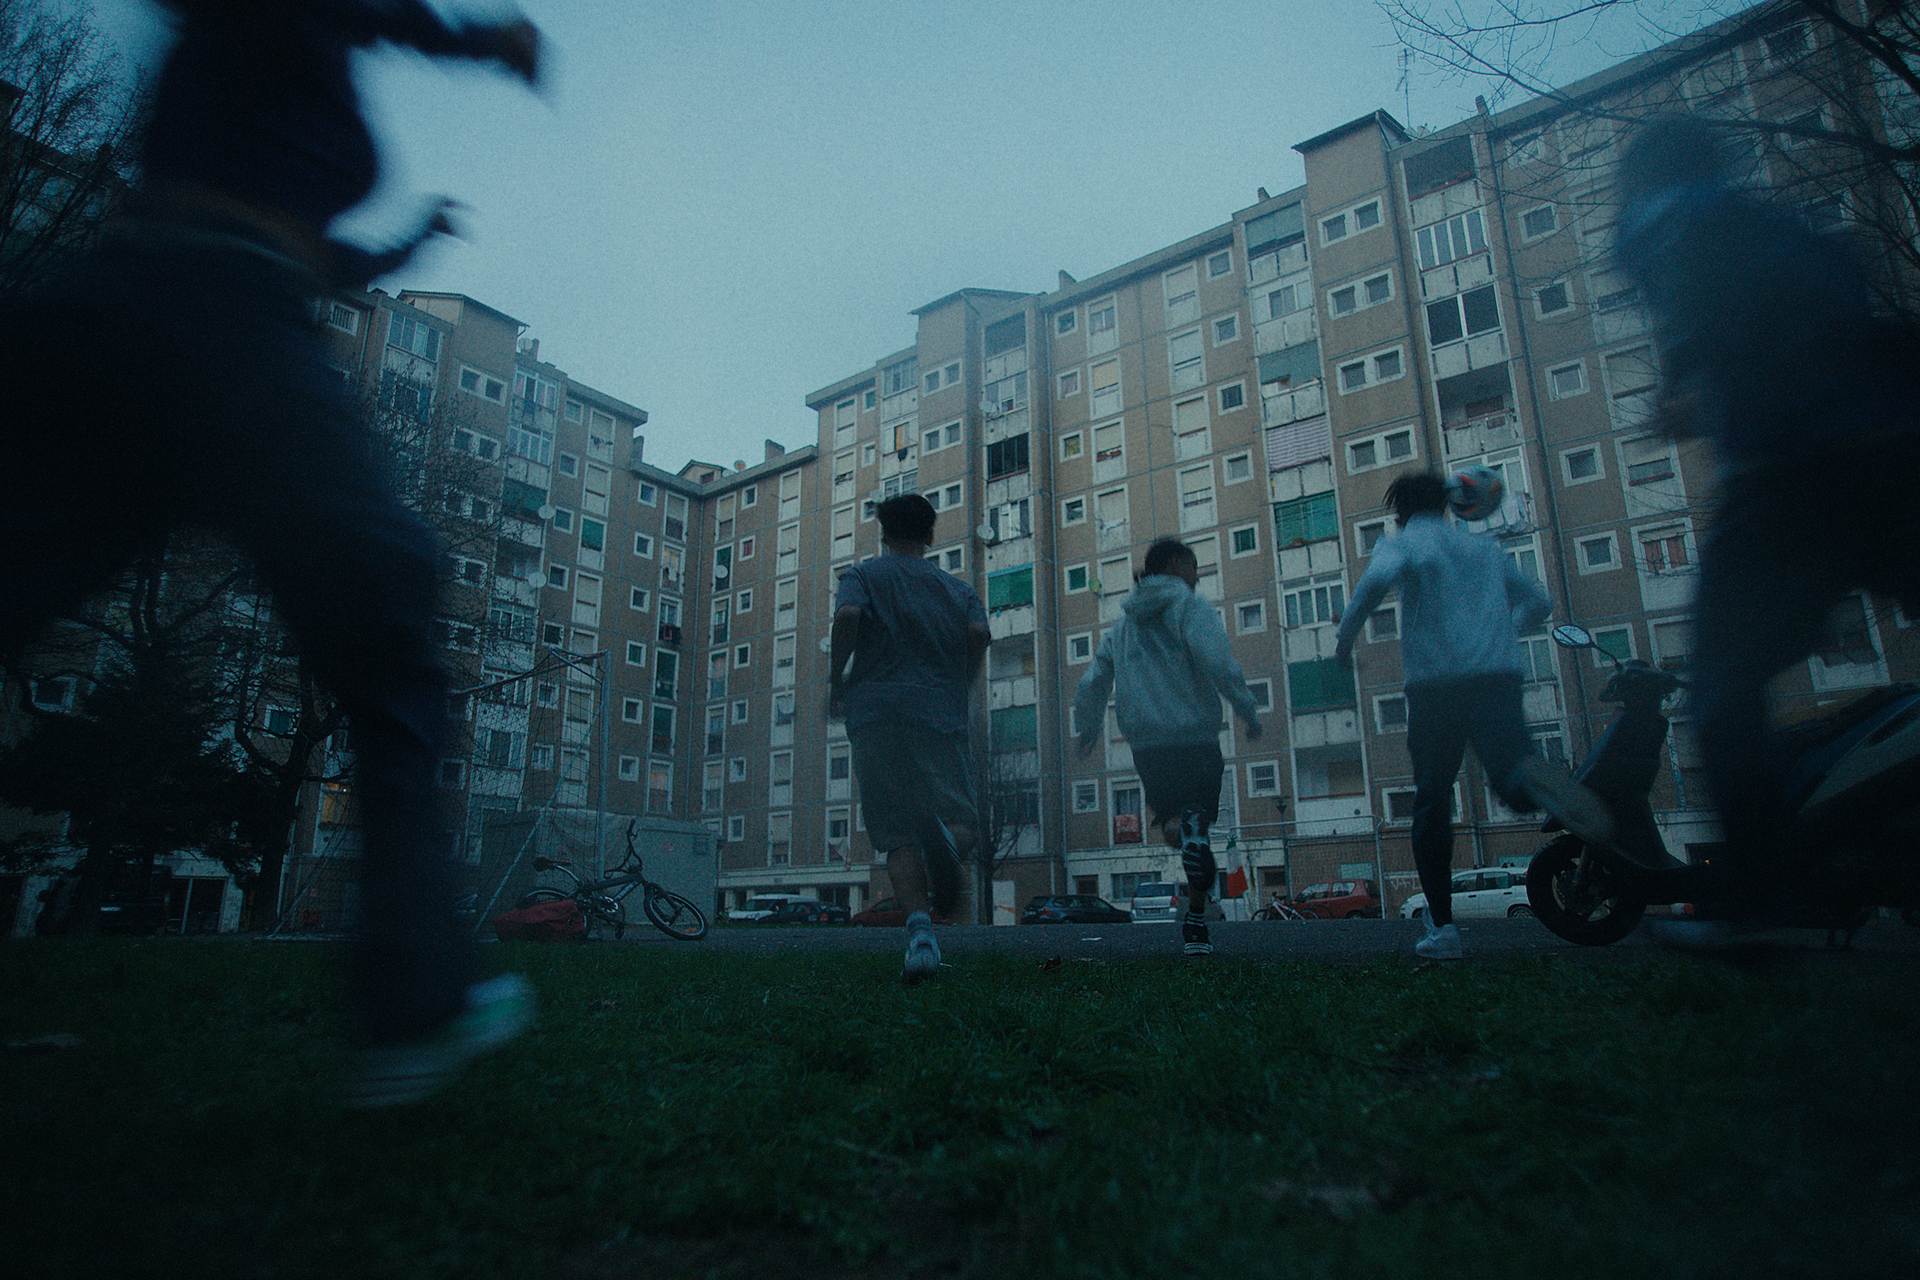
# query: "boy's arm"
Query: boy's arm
412,24
979,635
1207,641
1381,577
849,601
1090,699
1528,599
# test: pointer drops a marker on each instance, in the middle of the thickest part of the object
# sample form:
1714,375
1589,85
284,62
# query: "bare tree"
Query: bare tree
1819,100
1010,811
71,107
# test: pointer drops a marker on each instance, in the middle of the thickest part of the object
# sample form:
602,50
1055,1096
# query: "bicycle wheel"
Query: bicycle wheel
674,915
609,911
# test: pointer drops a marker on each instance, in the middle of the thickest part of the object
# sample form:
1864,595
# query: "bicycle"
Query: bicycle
605,900
1281,909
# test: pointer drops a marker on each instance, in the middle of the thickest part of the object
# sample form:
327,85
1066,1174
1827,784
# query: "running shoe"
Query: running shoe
396,1075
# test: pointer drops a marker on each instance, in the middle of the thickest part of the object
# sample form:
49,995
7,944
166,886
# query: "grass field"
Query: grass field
682,1113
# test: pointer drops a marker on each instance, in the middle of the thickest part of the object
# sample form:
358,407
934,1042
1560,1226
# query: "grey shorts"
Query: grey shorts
906,772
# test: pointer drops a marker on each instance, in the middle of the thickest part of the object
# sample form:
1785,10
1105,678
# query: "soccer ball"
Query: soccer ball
1476,492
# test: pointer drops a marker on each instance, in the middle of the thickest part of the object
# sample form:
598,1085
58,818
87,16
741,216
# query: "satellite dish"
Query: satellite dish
536,578
987,406
721,572
986,533
826,644
546,512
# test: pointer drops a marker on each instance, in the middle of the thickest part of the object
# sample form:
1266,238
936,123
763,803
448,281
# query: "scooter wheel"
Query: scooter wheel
1595,913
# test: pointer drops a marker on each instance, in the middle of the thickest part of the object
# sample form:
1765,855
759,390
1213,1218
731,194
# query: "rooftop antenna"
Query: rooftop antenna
1406,87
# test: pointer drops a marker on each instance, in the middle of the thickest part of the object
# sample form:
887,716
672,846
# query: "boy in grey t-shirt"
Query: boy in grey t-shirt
913,636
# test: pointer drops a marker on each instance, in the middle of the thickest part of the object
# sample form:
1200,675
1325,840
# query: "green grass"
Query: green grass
690,1113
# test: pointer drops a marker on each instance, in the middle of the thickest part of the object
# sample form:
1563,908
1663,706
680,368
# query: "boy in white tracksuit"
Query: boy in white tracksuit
1169,663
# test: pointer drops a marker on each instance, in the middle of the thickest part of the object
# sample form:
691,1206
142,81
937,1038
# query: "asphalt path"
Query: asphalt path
1325,940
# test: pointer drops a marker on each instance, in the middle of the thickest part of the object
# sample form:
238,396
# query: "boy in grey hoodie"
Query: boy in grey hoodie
1168,660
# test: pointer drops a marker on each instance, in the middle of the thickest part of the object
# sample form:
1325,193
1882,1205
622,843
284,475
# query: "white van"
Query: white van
762,905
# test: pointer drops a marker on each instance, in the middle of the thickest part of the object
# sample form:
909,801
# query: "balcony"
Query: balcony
1309,559
1458,197
1484,434
1287,331
1021,691
1299,443
1481,351
1016,621
669,634
1456,277
1273,264
1279,408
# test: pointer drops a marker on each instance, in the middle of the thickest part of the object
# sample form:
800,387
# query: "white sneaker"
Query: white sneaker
396,1075
1440,944
923,951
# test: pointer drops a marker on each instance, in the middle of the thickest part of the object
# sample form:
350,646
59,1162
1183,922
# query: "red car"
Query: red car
888,914
1339,900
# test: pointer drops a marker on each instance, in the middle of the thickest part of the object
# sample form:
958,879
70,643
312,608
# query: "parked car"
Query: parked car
1487,891
1072,908
762,905
887,913
1339,900
807,911
1165,901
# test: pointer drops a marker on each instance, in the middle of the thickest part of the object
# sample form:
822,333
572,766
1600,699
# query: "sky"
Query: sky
714,209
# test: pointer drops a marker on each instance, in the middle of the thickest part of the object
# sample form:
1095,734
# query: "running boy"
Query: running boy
1459,597
1168,660
914,635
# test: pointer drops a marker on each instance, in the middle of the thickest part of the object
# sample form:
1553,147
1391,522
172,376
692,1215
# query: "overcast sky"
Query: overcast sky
717,208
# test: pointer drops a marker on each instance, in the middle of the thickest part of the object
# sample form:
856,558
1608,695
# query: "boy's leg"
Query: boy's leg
882,760
1436,739
1496,724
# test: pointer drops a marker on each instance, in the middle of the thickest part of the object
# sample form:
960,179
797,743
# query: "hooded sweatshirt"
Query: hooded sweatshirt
1169,661
1463,601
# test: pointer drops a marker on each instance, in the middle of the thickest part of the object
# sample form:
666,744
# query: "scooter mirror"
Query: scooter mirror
1571,637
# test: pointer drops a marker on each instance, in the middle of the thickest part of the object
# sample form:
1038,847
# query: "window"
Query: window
1080,647
785,649
643,545
414,337
1390,713
743,603
1250,616
648,495
1581,466
1263,778
547,694
1219,264
1597,554
1552,299
1647,460
1072,445
1786,44
484,385
1458,237
1302,520
1232,396
780,777
1103,320
638,599
1237,468
899,377
1380,451
1076,578
1383,623
1319,684
1086,796
1313,606
1382,366
1226,328
1103,379
557,576
1182,294
636,654
1192,436
1612,642
632,710
1631,377
1187,360
1073,511
1663,550
1462,316
1243,541
1351,222
1007,457
563,519
1539,222
736,829
1564,381
661,732
1066,322
1109,449
1370,292
1367,535
1262,691
740,713
1196,498
674,527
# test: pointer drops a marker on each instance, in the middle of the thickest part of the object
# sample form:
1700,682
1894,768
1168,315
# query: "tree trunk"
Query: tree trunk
89,891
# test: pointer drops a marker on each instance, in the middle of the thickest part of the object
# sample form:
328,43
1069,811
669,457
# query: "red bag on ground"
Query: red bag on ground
557,921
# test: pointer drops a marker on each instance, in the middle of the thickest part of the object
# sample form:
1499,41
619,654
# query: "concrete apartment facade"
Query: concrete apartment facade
1419,302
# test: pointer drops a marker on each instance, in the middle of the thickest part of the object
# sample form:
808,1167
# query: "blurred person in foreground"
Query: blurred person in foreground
907,643
1771,349
208,401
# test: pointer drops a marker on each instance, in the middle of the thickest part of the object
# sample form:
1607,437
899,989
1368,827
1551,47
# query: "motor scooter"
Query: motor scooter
1853,790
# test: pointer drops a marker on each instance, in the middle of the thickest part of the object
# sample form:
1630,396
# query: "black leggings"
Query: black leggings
1443,716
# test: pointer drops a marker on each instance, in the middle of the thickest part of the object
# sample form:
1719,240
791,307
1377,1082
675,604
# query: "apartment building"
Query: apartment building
655,640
